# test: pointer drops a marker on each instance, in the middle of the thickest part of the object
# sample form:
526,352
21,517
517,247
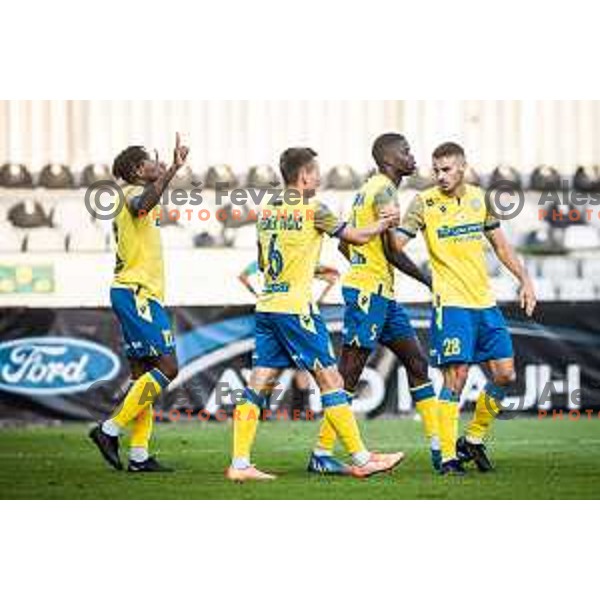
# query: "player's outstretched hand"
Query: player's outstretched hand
181,152
527,298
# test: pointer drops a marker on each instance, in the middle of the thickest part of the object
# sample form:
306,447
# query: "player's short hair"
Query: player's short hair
293,160
126,163
449,149
383,143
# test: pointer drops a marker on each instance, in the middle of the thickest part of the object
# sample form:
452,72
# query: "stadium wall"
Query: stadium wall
68,363
243,133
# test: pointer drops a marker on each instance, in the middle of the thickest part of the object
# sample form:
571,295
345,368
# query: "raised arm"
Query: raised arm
150,197
507,256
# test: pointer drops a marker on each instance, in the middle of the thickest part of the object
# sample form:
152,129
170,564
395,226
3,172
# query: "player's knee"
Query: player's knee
456,378
329,379
505,377
417,370
169,367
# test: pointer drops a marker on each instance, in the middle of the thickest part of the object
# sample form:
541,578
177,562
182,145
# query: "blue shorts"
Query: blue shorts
468,336
284,340
370,319
144,322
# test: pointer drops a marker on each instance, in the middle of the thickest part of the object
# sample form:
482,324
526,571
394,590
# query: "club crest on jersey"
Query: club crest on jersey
476,204
364,302
307,323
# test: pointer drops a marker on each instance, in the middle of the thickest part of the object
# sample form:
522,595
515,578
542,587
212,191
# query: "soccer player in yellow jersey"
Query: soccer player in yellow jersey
467,327
290,332
372,316
137,297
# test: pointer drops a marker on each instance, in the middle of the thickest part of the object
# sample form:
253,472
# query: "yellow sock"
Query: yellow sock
142,429
245,424
342,420
427,407
327,437
142,394
448,423
486,410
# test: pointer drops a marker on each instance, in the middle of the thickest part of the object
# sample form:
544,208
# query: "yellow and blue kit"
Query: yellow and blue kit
137,292
467,326
289,329
371,314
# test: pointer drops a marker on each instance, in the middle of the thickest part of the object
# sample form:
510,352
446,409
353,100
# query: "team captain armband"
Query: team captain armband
413,220
491,222
327,222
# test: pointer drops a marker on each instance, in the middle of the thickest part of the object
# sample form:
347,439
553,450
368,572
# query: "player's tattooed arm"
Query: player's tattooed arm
507,256
388,198
152,193
404,263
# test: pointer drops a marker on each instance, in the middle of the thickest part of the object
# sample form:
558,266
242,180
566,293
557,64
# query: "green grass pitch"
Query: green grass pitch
534,459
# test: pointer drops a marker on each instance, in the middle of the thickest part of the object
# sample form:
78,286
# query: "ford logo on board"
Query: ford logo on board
51,366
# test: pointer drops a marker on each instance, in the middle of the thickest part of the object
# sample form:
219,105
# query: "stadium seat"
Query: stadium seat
45,239
342,177
204,240
90,239
222,175
576,289
28,214
587,180
183,179
262,177
15,176
56,177
545,179
581,238
558,268
11,239
94,173
505,173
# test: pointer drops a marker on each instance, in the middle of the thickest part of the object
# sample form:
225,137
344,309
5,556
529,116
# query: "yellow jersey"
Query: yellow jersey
139,258
454,229
370,270
290,240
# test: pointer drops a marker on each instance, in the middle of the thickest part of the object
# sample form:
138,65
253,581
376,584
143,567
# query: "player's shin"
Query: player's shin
327,435
141,432
448,423
341,419
142,394
245,424
426,404
487,408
